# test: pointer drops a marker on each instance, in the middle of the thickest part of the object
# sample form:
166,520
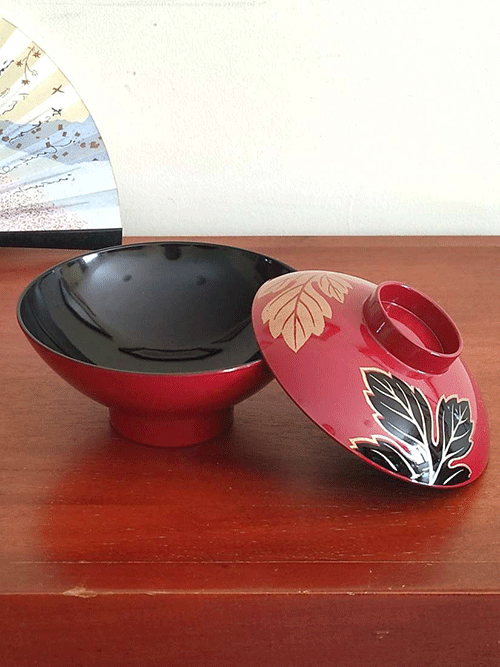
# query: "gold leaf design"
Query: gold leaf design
284,281
335,287
299,310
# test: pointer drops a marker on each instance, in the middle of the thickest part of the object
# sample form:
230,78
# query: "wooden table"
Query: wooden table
271,546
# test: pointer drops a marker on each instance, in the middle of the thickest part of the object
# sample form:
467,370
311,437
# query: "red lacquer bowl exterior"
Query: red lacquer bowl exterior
160,333
163,410
379,370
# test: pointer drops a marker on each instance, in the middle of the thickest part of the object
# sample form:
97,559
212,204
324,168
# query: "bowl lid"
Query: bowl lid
378,369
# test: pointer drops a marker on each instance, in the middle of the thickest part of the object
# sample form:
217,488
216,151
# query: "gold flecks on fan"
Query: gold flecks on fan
40,113
36,97
16,71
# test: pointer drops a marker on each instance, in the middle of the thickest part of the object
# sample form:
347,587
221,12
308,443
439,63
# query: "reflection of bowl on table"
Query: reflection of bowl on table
161,333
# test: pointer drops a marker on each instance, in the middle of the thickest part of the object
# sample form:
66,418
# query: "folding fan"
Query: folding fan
56,183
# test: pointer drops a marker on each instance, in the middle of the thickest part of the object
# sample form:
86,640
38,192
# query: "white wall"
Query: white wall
283,117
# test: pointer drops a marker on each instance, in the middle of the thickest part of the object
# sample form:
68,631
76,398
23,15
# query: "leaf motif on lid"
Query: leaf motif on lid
426,446
299,310
335,287
277,284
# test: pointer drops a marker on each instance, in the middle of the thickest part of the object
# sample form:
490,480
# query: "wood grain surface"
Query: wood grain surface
269,546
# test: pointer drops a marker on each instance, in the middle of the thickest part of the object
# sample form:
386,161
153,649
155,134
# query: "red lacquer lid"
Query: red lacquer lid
378,368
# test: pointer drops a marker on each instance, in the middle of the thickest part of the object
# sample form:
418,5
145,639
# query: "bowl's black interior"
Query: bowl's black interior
153,308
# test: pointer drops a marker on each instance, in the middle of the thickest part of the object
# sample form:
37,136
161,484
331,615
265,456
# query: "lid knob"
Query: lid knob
412,327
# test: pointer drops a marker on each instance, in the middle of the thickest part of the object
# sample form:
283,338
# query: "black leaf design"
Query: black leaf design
454,440
451,476
392,456
404,413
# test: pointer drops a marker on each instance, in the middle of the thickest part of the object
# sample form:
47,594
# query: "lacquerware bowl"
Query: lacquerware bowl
160,333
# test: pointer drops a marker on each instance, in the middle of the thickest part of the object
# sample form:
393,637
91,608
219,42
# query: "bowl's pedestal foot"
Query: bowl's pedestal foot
165,431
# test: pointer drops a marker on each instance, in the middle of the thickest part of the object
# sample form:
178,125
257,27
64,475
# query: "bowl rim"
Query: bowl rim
124,246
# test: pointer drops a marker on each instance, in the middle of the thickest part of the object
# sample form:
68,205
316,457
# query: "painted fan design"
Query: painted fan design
55,173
